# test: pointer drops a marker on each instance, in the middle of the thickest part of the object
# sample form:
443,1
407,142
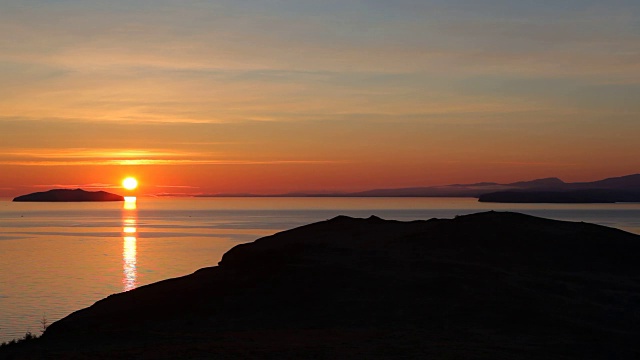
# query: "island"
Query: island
590,196
68,195
492,285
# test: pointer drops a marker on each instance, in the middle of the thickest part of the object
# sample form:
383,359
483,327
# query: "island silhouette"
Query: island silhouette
490,285
68,195
589,196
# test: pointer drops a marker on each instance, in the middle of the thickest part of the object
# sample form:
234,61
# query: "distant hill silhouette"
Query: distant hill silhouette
459,190
483,286
68,195
627,183
548,183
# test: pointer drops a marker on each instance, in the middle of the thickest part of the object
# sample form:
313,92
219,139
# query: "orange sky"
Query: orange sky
272,97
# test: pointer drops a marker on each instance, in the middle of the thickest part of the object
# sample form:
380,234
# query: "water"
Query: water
56,258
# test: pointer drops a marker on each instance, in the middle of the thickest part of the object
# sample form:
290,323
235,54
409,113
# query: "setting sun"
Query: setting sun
130,183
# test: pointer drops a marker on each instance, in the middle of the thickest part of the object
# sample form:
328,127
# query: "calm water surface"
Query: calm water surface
56,258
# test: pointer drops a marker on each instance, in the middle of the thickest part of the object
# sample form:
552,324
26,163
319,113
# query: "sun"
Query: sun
130,183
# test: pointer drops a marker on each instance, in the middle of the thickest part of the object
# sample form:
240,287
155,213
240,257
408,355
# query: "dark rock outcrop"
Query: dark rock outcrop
483,286
68,195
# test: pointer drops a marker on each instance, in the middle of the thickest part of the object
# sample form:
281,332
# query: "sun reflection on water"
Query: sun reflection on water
130,202
129,229
129,246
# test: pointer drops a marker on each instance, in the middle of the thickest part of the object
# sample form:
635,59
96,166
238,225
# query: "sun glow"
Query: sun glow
130,183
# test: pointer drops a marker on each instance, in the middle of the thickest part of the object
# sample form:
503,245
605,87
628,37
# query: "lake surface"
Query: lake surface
56,258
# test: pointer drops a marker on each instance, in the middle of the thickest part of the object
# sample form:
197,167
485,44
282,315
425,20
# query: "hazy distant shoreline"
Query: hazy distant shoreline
547,190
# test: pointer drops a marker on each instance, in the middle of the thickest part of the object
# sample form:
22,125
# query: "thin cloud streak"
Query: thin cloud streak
165,162
165,194
79,186
85,153
532,163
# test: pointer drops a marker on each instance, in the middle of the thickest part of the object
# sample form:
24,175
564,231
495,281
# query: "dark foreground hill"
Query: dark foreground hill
483,286
68,195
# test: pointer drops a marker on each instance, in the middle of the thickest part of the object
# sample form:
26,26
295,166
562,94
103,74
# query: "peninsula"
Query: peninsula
484,286
68,195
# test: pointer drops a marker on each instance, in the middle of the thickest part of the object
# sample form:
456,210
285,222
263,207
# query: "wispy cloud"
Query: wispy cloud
173,194
86,153
533,163
164,162
190,67
113,157
76,186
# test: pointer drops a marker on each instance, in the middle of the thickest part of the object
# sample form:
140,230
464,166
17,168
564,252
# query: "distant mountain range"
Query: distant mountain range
616,189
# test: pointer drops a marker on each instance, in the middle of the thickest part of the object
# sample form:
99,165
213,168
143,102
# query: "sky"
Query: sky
273,96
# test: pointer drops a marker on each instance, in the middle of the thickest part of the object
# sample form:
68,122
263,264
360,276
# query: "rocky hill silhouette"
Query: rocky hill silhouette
484,286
